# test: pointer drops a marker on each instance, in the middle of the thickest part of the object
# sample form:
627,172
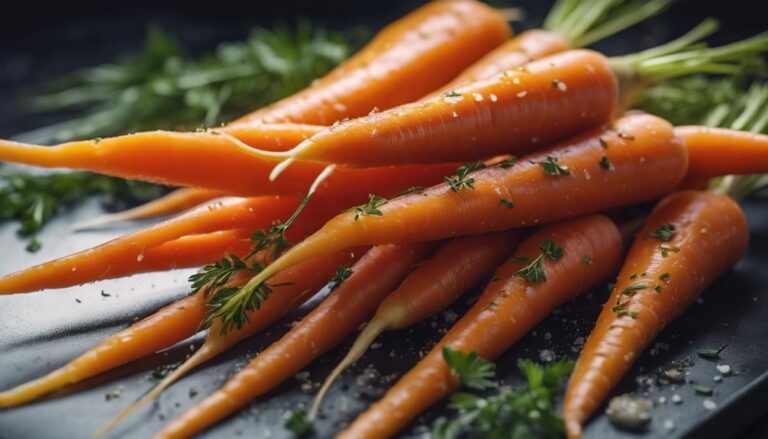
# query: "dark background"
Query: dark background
40,41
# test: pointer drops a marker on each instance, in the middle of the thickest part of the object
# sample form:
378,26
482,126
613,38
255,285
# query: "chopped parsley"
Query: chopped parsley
298,423
534,272
551,167
461,180
508,163
586,260
342,274
451,94
664,233
605,163
709,353
371,207
665,277
507,203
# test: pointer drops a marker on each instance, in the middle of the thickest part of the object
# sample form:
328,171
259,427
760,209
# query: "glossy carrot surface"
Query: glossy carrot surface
663,274
715,152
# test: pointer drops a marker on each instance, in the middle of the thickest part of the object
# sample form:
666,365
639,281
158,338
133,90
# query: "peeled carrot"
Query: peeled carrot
161,330
512,112
642,159
403,62
302,281
714,152
213,161
433,286
126,255
662,275
374,276
508,308
176,201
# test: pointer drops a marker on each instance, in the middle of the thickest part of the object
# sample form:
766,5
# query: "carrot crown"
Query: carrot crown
583,22
688,55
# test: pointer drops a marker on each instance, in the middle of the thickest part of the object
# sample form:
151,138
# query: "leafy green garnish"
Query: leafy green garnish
507,203
551,167
34,199
534,272
461,180
521,412
664,233
163,88
371,207
472,370
709,353
342,274
298,423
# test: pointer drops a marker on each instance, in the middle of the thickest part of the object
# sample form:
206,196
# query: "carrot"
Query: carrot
403,62
176,201
126,254
507,309
374,276
643,160
512,112
294,287
567,26
689,240
212,160
714,152
434,285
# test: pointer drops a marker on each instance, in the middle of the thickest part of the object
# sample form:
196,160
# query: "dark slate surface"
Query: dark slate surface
41,331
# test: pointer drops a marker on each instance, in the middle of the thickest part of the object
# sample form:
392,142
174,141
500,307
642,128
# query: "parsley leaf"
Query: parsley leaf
553,168
534,272
342,274
298,423
664,233
371,207
460,180
709,353
472,370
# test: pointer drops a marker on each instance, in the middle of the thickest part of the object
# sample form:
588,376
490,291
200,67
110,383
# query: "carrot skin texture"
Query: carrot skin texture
403,62
711,234
506,311
127,254
374,276
513,112
648,161
518,51
715,152
214,162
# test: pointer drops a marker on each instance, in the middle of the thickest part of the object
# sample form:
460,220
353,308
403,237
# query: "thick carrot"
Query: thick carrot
295,286
176,201
512,112
508,308
662,275
639,158
213,161
126,255
406,60
715,152
433,286
373,277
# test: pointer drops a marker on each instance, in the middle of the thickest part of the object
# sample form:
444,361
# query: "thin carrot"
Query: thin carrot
639,158
512,112
715,152
126,254
214,160
433,286
374,276
689,240
176,201
406,60
294,287
508,308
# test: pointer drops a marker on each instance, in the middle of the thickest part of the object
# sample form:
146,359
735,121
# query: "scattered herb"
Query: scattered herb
159,373
521,412
411,190
461,180
703,390
603,142
298,423
34,245
371,207
342,274
634,288
665,249
78,300
605,163
586,259
105,294
508,163
709,353
452,94
507,203
657,288
472,370
534,272
664,233
665,277
626,136
551,167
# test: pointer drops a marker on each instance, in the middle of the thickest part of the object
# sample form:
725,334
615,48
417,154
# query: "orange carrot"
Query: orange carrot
403,62
433,286
176,201
376,274
638,158
512,112
508,308
715,152
212,160
689,240
126,255
294,287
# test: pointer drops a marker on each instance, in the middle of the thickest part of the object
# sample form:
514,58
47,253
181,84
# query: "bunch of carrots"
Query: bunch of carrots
445,153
